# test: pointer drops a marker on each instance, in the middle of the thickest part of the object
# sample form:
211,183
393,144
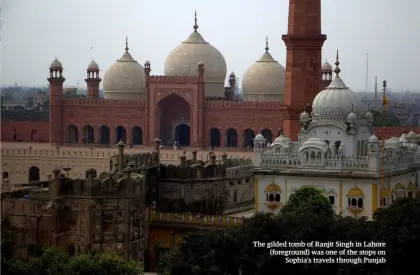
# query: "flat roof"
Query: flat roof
245,214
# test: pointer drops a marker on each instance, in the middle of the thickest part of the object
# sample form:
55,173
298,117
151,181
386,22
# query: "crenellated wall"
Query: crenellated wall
18,161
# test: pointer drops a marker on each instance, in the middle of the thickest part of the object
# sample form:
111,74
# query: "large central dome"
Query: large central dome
183,60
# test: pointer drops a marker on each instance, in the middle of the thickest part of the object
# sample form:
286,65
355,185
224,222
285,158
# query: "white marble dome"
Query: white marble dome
315,143
56,64
125,79
93,66
259,137
326,67
264,80
282,140
336,99
183,60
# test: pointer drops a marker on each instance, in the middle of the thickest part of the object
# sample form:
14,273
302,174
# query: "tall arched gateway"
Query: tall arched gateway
174,120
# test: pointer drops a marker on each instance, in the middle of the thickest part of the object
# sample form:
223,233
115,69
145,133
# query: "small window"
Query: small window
360,203
277,198
332,199
5,175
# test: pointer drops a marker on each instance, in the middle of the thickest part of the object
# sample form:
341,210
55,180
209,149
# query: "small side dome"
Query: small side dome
282,140
411,134
273,188
355,192
147,62
373,138
352,118
260,137
56,64
326,67
315,143
232,74
93,66
304,117
369,116
403,138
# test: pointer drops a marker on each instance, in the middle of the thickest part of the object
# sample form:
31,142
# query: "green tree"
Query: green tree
53,262
388,120
308,200
398,226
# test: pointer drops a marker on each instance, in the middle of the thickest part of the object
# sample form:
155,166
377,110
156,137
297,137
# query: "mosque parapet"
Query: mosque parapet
103,102
173,78
245,104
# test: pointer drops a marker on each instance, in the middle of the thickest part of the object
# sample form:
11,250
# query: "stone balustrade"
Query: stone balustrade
196,219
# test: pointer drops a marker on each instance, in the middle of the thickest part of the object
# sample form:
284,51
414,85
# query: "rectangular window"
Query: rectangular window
332,199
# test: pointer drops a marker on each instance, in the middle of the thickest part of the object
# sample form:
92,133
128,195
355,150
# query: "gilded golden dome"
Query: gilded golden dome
355,192
411,186
399,186
273,188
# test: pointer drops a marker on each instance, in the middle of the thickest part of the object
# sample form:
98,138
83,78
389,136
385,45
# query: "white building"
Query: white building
337,152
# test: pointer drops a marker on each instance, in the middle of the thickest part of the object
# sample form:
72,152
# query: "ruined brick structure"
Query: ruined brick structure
202,113
111,211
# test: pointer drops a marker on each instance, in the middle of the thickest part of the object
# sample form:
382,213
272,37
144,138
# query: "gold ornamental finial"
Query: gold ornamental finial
337,69
266,44
195,21
126,44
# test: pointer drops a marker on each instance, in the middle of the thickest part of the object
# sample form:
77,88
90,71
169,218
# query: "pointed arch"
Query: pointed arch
88,134
231,138
34,174
249,135
214,137
104,135
73,134
120,134
34,135
268,135
136,136
182,134
173,110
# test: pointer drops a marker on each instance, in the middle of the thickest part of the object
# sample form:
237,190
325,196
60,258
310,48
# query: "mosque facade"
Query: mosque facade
190,103
338,153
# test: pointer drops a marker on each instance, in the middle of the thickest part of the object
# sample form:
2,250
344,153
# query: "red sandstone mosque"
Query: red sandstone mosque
190,103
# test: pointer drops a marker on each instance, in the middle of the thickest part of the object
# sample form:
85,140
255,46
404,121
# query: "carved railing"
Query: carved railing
196,219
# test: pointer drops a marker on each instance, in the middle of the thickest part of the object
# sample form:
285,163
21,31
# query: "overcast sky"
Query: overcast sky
35,31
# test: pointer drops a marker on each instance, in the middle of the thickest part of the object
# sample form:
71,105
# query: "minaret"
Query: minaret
56,80
327,75
304,42
232,82
93,80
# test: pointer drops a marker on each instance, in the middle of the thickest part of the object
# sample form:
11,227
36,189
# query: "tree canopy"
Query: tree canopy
389,120
304,218
53,262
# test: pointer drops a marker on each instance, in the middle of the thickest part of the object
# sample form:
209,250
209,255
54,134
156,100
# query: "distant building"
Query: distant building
37,100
